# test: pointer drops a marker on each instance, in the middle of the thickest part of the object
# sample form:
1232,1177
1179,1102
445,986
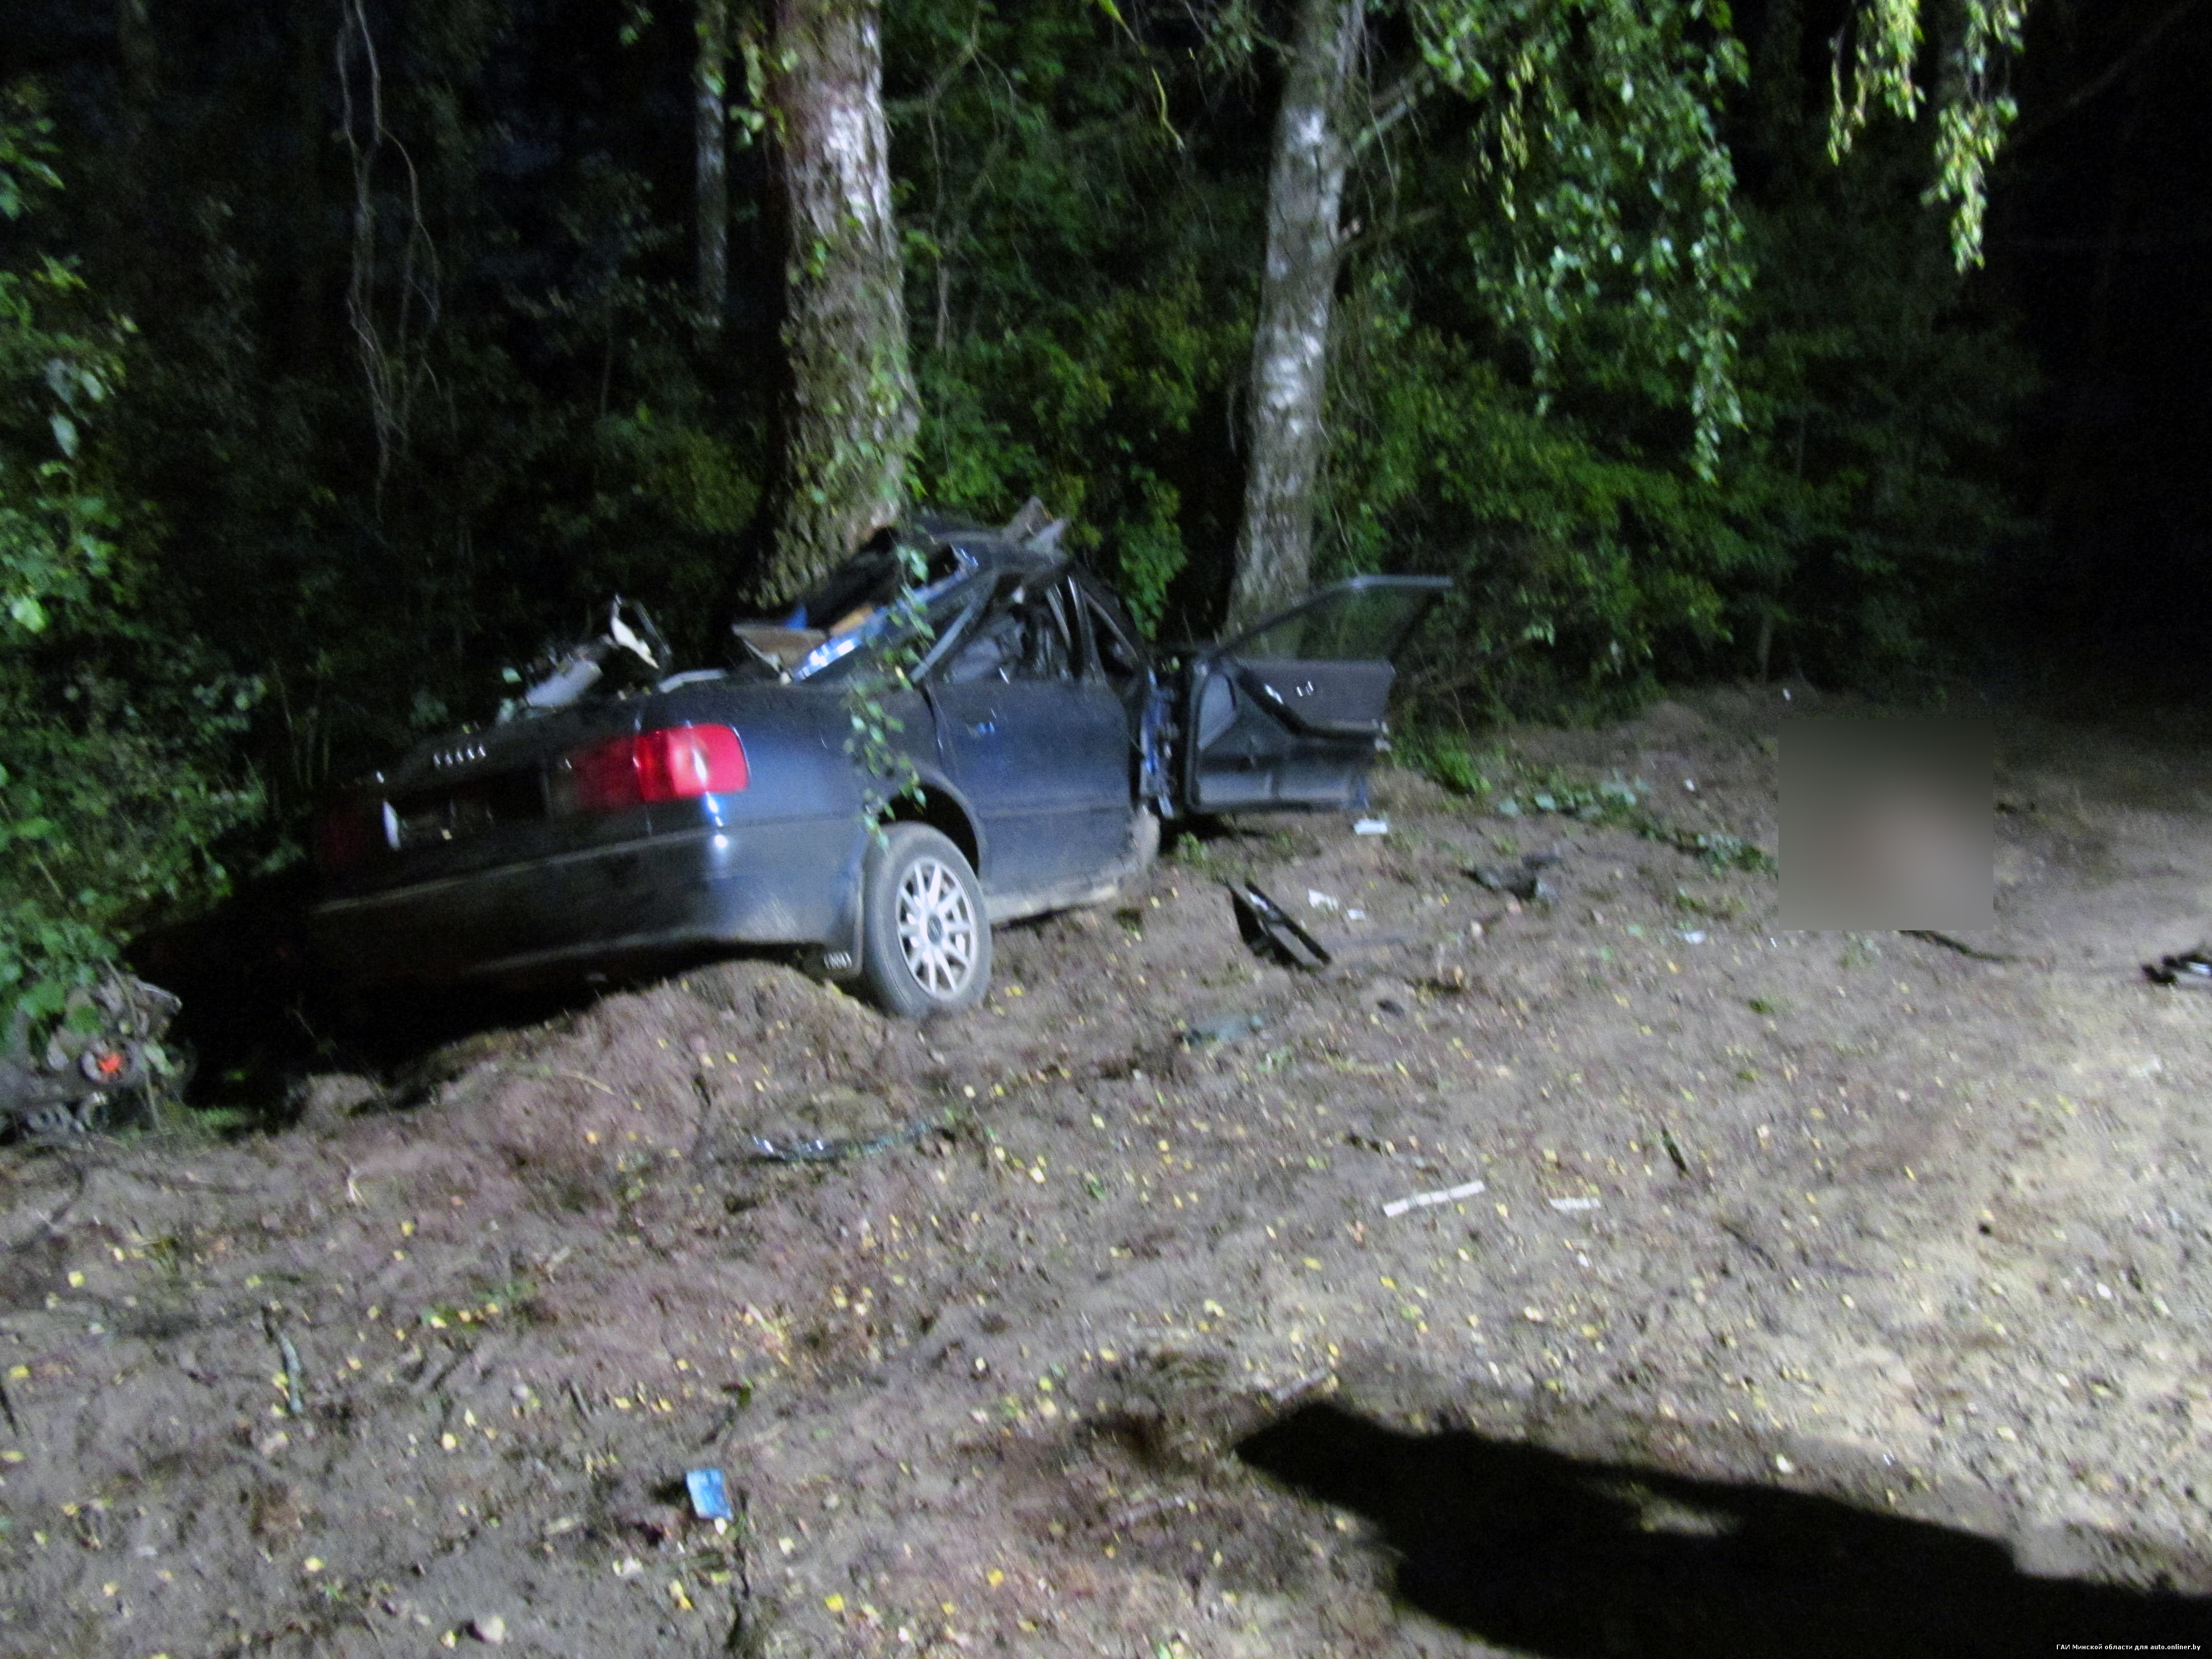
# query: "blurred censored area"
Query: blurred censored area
1886,824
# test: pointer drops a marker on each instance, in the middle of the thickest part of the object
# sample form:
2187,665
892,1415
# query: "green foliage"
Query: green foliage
112,789
887,767
1557,538
1974,109
1843,530
1079,295
1598,139
1619,803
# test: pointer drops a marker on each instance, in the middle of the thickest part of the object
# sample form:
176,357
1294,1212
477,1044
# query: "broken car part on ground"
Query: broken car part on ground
103,1053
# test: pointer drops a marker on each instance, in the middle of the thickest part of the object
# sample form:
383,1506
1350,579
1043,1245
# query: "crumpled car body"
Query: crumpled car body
717,809
104,1052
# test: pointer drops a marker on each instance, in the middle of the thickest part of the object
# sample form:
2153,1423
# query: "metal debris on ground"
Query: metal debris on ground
1271,932
827,1149
1524,881
1398,1206
710,1494
105,1048
2191,967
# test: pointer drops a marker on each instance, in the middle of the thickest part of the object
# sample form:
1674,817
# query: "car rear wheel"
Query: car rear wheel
925,942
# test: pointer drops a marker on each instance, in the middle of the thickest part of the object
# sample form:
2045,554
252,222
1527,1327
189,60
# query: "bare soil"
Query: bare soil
1824,1293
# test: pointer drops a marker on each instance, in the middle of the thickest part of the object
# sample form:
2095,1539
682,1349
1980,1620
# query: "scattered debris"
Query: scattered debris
104,1050
489,1629
2193,967
832,1149
1317,900
1567,1206
628,653
710,1494
1931,936
1225,1029
1389,996
1371,827
295,1401
1271,932
1522,881
1398,1206
1691,935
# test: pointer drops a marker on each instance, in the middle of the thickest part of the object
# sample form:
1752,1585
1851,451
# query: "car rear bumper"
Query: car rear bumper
791,883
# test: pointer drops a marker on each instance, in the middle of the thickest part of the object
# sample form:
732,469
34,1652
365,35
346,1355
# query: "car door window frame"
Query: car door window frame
1334,593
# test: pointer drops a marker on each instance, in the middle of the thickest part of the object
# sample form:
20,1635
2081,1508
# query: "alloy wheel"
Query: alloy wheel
936,928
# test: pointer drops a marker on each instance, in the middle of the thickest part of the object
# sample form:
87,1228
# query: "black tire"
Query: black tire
925,940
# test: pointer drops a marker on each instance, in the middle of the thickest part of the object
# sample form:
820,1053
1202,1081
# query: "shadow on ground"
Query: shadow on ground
1579,1559
259,1019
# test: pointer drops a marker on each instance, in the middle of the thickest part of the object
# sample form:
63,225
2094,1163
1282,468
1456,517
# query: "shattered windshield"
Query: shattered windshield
853,612
850,609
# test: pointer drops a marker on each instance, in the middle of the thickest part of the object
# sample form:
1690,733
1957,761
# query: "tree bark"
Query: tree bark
1297,291
848,415
710,142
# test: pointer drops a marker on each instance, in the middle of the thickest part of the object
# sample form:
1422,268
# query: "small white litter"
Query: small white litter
1355,916
1690,784
1317,900
1567,1205
1692,935
1398,1206
1371,827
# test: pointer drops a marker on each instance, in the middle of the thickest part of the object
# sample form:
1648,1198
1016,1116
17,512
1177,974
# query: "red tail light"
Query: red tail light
677,764
347,833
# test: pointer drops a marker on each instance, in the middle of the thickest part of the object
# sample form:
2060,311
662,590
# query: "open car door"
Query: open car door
1291,712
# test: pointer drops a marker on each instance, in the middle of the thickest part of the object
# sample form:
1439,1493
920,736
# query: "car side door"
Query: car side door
1040,746
1293,712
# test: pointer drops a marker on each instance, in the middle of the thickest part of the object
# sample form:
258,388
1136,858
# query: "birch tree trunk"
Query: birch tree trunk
710,143
1290,347
848,415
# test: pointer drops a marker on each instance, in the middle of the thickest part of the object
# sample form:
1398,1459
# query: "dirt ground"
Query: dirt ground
1824,1293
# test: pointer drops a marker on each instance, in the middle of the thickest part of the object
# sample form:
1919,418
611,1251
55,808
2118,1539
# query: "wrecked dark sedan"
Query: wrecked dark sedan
619,812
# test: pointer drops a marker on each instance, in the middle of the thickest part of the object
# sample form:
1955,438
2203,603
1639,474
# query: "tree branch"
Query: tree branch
2104,81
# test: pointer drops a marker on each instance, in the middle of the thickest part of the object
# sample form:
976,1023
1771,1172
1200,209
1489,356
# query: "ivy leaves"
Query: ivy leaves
1597,129
1974,110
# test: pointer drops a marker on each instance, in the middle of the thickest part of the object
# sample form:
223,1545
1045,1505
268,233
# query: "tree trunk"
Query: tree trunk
1290,347
848,415
710,141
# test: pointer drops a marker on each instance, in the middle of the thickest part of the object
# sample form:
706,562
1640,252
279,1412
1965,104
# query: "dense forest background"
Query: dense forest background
352,350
